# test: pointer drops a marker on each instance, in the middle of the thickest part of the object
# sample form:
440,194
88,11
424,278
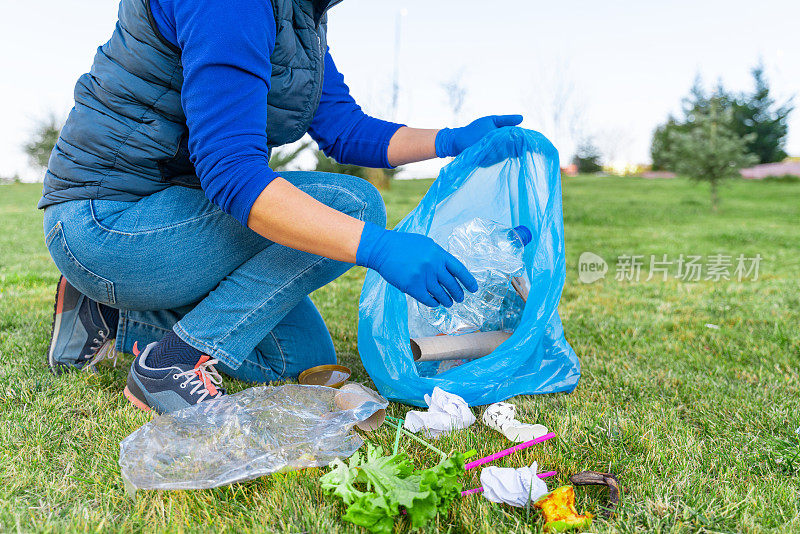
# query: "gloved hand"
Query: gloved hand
453,141
414,264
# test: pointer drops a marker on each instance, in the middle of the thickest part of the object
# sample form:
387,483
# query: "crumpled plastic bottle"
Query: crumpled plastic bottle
509,315
493,254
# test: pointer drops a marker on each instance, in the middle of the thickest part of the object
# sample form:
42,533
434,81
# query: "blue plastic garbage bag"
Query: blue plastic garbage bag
511,176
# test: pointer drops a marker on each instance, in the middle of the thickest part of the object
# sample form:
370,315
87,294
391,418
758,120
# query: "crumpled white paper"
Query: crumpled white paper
513,486
501,416
446,412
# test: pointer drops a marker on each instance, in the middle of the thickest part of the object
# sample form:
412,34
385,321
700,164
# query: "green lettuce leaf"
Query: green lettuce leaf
341,480
442,479
389,484
373,512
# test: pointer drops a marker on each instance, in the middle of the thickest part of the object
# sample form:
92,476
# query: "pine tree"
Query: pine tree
758,114
752,114
710,150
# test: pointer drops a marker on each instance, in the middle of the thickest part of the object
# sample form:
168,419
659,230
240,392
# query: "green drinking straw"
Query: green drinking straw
397,438
414,437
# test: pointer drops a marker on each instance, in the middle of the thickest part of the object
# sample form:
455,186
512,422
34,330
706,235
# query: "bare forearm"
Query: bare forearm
408,145
284,214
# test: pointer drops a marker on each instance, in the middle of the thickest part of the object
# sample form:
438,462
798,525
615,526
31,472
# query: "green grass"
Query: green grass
699,423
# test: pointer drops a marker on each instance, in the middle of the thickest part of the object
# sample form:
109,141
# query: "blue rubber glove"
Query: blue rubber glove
415,264
453,141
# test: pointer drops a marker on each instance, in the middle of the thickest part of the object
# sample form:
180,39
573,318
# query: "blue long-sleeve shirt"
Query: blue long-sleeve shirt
225,54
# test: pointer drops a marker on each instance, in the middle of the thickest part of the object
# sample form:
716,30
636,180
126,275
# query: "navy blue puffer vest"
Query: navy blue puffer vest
126,137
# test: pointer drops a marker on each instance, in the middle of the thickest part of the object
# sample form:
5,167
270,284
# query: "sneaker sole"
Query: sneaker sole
136,402
58,307
134,393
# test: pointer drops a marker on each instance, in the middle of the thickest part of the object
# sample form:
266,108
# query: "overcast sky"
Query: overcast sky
617,67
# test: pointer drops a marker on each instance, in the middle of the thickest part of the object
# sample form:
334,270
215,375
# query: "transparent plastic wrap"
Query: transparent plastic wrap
493,254
512,177
255,432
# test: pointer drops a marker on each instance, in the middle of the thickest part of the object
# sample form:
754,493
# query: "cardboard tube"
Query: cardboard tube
520,285
353,395
465,346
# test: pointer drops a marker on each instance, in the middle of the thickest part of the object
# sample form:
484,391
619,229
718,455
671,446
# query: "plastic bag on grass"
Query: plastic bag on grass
511,176
255,432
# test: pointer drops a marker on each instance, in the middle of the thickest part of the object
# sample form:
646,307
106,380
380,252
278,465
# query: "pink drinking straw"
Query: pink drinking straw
479,490
506,452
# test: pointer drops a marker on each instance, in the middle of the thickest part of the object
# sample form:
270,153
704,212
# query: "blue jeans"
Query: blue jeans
173,260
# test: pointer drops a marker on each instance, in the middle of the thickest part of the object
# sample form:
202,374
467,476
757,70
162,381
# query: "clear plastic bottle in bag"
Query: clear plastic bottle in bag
509,316
493,254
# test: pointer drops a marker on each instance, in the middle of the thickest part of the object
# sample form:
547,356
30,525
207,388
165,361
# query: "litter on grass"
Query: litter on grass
353,395
560,515
505,452
501,416
595,478
331,375
516,487
246,435
446,412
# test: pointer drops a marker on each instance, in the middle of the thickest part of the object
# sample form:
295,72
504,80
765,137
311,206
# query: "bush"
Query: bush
587,158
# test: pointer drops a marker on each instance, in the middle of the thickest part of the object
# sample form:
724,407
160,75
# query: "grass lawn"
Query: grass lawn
698,422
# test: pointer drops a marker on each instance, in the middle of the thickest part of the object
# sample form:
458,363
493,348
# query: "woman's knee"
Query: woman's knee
279,363
359,198
374,208
343,192
324,355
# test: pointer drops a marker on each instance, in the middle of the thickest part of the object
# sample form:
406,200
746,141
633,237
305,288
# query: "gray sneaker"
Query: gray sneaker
80,337
171,388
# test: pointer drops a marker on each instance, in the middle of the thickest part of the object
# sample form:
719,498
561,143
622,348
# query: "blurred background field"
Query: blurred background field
689,389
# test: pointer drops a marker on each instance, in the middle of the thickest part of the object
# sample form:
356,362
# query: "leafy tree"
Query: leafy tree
660,146
710,150
587,157
42,141
758,114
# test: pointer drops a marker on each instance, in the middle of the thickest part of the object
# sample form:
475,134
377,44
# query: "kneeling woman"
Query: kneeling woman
176,240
